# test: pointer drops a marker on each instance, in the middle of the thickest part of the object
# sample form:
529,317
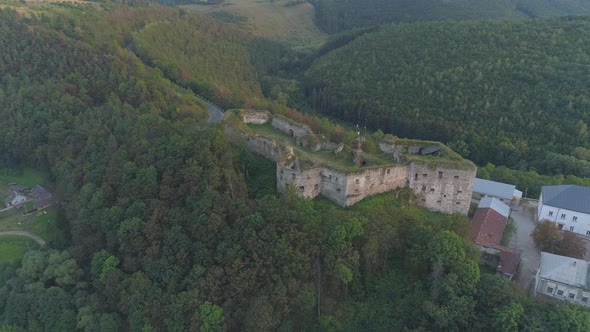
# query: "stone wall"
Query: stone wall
264,146
289,127
439,188
442,189
375,181
256,117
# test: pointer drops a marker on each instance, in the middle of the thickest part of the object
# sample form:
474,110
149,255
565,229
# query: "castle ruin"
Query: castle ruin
438,183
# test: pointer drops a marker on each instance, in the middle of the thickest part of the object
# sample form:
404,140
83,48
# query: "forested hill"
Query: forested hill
163,233
200,52
338,15
510,93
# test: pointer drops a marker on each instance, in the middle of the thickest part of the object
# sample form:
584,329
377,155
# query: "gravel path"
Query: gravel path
524,220
37,239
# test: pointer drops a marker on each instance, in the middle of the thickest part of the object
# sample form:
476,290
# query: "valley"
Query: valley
285,166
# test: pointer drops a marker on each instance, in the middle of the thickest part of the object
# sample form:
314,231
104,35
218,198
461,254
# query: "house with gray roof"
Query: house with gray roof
14,199
563,278
503,191
566,205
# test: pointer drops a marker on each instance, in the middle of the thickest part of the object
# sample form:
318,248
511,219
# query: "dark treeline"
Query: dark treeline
339,15
510,93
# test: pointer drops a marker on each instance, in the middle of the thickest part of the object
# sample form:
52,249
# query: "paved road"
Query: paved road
215,113
37,239
524,219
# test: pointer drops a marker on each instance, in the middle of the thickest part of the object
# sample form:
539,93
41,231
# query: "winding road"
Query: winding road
215,113
37,239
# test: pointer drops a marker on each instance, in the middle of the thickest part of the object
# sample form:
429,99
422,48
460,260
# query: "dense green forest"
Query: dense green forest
169,228
197,51
339,15
510,93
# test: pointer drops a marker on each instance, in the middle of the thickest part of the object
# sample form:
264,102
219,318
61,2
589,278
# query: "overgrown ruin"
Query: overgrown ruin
439,177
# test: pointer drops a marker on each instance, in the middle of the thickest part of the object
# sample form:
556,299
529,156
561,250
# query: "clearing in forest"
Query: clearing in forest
276,20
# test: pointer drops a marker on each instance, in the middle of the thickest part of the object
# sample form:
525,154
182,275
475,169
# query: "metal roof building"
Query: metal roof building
499,190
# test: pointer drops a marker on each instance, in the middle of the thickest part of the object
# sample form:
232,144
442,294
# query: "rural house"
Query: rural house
566,205
563,278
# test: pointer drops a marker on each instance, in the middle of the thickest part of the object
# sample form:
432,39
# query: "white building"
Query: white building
502,191
566,205
563,278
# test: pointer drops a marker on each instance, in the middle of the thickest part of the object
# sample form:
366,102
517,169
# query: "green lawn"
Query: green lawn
13,248
342,161
28,177
40,223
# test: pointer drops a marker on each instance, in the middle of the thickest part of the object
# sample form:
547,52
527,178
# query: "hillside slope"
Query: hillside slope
202,53
338,15
277,20
511,93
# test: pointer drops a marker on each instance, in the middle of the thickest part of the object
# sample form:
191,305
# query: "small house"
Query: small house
563,278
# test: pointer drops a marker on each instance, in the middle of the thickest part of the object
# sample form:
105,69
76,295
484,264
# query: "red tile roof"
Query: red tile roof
509,259
488,226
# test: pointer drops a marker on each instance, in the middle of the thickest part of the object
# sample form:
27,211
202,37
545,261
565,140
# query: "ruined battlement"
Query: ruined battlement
440,184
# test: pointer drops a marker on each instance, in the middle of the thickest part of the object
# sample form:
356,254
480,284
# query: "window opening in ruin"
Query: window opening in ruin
456,176
457,203
440,175
550,290
357,181
431,190
560,292
423,188
364,163
302,188
291,132
388,171
459,191
416,177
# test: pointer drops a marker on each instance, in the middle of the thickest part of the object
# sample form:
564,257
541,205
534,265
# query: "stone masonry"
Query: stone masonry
439,186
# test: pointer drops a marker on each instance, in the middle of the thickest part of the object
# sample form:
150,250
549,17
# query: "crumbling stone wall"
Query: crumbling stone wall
264,146
289,127
375,181
256,117
443,189
439,188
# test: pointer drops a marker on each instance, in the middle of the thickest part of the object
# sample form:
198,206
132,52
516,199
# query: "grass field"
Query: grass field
293,24
13,248
29,177
40,223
